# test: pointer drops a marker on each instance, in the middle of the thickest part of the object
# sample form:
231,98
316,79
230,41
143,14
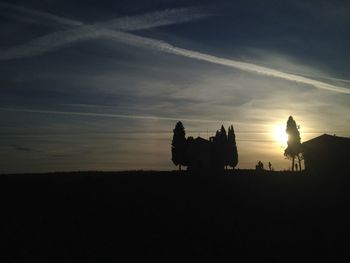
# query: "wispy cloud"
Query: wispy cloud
50,43
127,23
62,38
249,67
107,115
156,19
321,77
47,16
84,32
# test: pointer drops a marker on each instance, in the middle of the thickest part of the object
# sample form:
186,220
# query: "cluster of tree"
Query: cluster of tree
224,150
293,150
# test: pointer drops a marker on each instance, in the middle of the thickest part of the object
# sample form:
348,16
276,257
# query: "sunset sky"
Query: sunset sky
100,85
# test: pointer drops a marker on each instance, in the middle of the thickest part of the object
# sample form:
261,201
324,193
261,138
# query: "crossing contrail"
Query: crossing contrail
115,31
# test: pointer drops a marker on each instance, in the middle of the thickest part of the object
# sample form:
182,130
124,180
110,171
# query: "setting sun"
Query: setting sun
280,134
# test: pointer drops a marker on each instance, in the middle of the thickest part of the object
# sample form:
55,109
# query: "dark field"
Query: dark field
172,217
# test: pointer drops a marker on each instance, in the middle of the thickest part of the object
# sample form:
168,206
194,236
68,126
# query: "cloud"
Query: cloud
156,19
286,64
49,43
62,38
322,77
128,23
250,67
106,115
32,12
168,48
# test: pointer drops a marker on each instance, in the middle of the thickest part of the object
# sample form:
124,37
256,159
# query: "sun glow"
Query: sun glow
280,134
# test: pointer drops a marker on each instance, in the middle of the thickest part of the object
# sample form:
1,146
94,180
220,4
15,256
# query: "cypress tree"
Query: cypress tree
223,147
178,146
293,149
232,148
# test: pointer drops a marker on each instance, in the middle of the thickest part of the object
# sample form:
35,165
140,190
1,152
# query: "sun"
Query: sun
280,134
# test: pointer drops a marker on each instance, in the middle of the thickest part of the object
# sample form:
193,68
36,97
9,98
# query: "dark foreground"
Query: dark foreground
165,217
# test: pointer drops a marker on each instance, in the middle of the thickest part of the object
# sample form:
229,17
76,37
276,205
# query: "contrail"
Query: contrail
313,76
156,19
127,23
107,115
249,67
50,43
51,17
63,38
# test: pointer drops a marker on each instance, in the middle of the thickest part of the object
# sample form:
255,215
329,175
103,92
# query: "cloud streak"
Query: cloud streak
47,16
127,23
107,115
249,67
155,19
60,39
63,38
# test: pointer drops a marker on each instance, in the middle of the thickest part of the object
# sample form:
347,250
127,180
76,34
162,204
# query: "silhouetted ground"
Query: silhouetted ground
172,217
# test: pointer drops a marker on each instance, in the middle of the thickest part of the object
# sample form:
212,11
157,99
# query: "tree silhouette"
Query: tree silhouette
293,149
178,146
223,146
220,148
259,166
232,148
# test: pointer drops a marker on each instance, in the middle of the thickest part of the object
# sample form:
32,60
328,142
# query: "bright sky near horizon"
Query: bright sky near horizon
100,86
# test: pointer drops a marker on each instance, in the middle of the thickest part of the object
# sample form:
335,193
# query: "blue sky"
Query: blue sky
100,85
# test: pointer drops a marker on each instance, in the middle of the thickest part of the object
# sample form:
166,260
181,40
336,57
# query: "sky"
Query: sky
100,85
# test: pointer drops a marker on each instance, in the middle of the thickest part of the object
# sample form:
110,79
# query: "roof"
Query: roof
200,139
326,140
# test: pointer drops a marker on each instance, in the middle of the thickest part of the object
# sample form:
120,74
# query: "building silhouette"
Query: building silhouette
206,155
326,154
199,153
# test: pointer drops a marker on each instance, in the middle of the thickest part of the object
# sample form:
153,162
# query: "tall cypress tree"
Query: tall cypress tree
178,146
293,149
220,148
232,148
223,147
